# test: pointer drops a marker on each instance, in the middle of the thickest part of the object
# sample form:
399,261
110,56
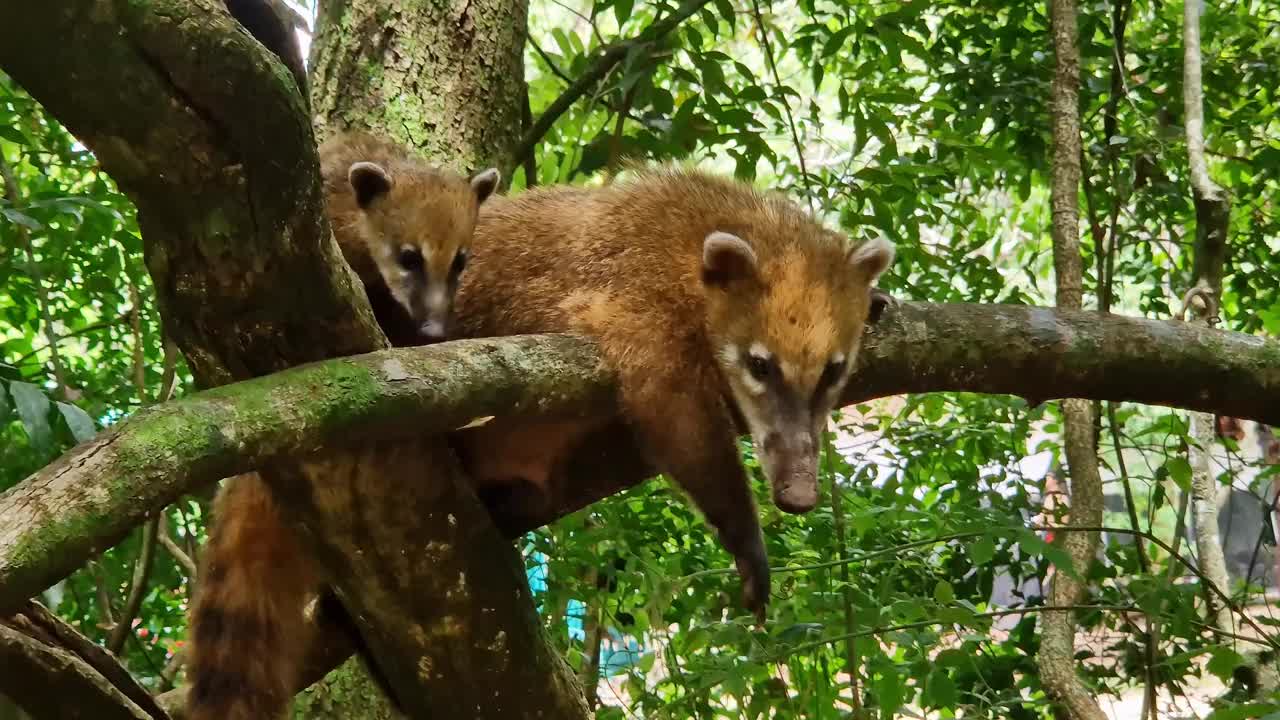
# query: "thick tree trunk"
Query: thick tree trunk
346,693
250,282
444,77
1057,637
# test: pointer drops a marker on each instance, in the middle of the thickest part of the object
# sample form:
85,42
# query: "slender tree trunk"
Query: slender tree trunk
1213,216
1057,643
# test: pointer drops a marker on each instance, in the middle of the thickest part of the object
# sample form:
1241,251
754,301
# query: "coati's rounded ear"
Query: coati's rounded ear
871,258
726,257
484,183
369,181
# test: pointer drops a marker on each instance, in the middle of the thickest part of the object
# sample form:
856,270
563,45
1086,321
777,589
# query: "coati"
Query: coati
719,307
405,228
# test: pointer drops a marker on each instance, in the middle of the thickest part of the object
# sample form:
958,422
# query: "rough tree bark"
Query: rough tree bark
250,282
446,78
1213,217
1056,658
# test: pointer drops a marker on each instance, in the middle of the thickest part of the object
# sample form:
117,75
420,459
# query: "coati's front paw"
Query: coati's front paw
753,567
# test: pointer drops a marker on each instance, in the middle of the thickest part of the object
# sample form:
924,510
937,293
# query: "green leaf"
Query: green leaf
889,691
836,41
981,551
1061,560
622,10
728,13
1180,472
943,592
33,408
12,134
1223,662
78,421
21,219
940,689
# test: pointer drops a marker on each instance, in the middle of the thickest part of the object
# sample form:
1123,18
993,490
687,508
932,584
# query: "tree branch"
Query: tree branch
1213,219
607,58
50,680
93,495
137,586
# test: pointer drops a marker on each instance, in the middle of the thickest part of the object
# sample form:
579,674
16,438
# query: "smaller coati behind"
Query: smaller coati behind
405,227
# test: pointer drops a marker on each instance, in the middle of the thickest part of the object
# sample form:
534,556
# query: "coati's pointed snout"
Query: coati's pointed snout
435,313
434,330
791,464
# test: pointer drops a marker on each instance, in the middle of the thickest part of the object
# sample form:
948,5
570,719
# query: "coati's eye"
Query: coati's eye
459,263
759,367
411,259
830,374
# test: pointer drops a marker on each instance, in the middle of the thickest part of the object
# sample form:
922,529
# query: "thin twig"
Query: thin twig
804,647
37,277
607,58
137,587
786,103
178,554
90,328
615,141
846,592
546,58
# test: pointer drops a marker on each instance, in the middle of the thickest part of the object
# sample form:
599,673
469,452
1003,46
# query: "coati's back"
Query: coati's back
627,258
715,303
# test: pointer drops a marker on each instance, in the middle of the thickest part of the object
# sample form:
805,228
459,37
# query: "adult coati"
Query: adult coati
404,227
719,307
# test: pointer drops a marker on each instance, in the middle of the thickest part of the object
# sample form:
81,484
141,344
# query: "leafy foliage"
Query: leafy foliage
924,122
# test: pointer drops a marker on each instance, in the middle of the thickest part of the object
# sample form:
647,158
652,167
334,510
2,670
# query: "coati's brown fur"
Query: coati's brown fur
719,306
249,632
405,227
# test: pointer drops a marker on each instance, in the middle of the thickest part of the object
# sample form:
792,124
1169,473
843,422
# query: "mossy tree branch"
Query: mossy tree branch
92,496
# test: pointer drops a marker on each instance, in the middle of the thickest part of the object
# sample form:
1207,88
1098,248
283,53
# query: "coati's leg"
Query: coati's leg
248,626
697,449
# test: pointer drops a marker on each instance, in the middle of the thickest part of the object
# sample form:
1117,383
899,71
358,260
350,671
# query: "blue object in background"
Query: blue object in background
617,654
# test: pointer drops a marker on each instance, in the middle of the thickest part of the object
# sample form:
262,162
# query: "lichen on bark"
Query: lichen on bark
445,78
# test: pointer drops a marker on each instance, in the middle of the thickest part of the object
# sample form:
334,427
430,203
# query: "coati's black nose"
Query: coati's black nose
433,330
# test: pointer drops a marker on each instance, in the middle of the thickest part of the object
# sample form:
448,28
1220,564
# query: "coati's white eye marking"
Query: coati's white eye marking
760,366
